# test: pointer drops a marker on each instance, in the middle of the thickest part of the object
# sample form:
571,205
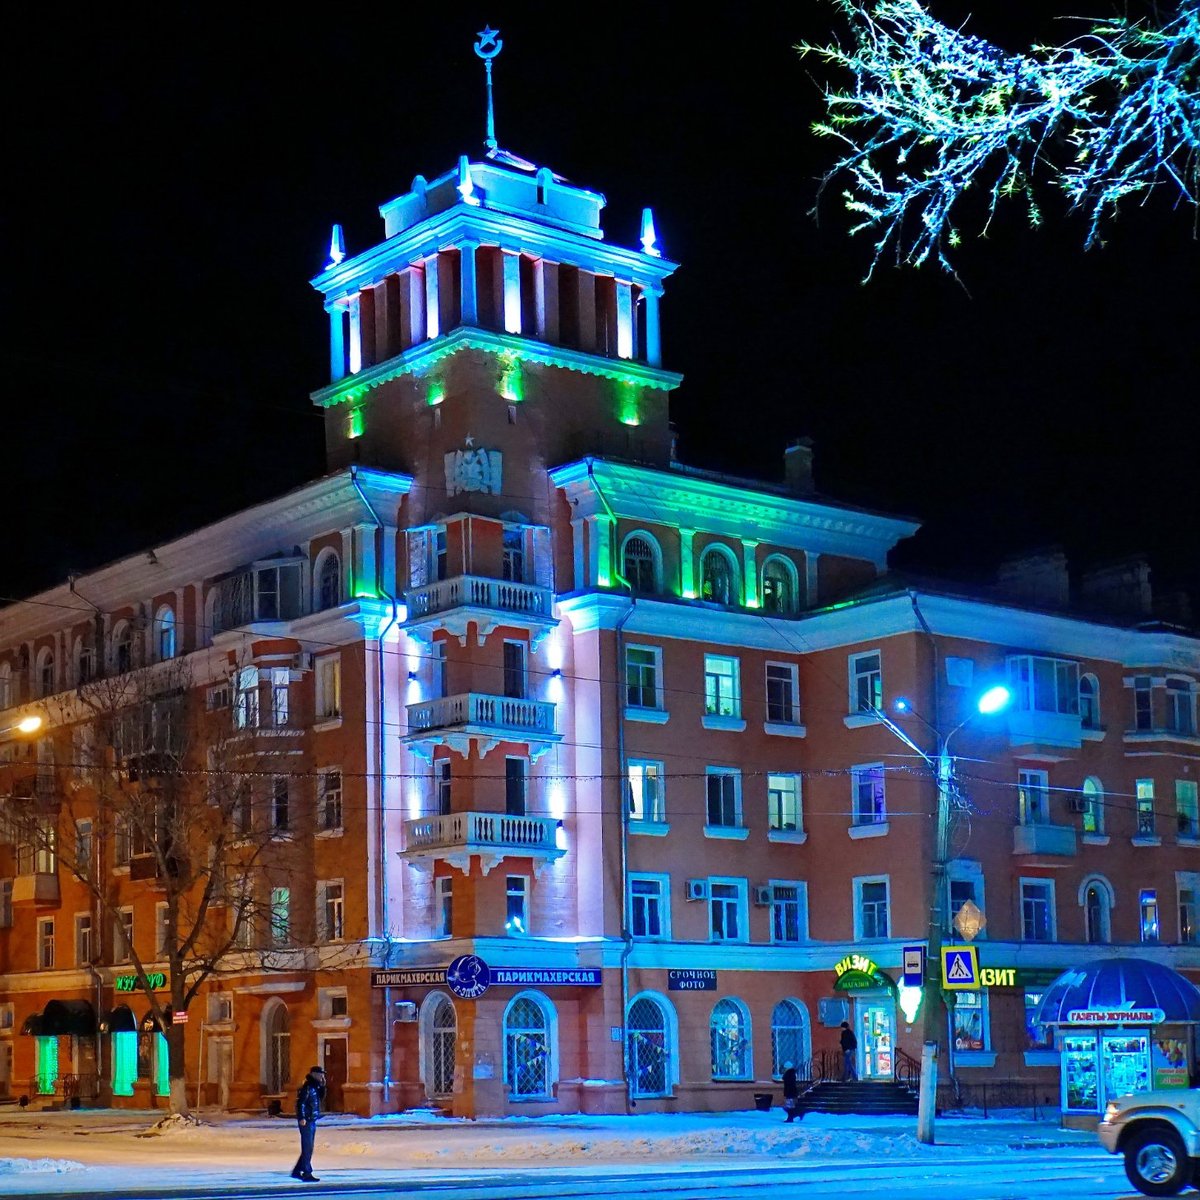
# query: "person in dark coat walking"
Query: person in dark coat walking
308,1113
791,1092
849,1052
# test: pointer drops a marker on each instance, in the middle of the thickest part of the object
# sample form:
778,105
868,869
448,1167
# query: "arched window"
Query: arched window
529,1045
164,633
6,688
789,1036
641,564
45,672
439,1033
779,590
729,1037
718,577
1093,806
277,1048
651,1032
1089,702
85,661
1096,897
123,647
329,580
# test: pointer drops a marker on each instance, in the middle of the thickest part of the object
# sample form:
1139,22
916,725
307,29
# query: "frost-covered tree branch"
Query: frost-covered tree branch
934,112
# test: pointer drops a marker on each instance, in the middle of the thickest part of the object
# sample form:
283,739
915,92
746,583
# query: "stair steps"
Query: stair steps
878,1097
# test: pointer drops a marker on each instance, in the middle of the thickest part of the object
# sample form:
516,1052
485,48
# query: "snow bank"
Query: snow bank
17,1166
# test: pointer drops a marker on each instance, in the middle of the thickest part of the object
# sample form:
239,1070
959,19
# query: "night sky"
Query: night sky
170,189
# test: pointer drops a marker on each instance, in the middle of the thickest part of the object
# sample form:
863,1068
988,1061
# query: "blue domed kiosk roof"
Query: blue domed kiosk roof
1110,984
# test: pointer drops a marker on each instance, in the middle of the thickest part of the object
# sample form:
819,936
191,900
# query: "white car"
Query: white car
1159,1135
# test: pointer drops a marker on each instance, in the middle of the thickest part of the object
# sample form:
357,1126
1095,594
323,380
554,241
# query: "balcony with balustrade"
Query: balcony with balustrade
456,837
453,604
1054,841
455,720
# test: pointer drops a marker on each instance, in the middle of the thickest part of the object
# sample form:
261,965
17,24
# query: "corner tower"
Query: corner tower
494,314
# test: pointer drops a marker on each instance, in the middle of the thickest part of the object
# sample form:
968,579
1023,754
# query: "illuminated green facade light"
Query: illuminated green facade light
435,393
628,396
47,1064
356,423
512,386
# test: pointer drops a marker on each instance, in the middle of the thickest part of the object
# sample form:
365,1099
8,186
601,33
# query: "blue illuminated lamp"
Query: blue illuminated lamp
466,185
337,247
994,700
649,237
902,704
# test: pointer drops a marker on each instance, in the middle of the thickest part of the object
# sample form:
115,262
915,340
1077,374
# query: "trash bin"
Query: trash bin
764,1101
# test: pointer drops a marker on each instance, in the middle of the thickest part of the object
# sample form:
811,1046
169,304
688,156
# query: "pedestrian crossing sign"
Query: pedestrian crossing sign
960,968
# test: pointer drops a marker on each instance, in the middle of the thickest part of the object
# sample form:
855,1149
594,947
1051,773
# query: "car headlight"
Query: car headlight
1110,1112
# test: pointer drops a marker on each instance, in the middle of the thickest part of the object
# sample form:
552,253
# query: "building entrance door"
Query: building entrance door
876,1038
335,1073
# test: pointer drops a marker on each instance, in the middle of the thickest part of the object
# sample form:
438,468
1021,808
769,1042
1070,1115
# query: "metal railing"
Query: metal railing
530,835
997,1093
474,708
477,591
907,1071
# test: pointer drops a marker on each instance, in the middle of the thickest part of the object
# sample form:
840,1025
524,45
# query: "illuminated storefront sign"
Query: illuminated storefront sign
998,976
691,981
1115,1016
858,973
469,977
129,983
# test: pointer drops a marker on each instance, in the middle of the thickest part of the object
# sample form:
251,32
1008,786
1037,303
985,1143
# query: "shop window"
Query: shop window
723,800
1037,1037
729,1040
783,692
1148,914
649,912
1033,794
646,800
789,1036
643,671
529,1046
718,577
1144,789
866,682
1089,702
727,910
722,686
870,801
1187,816
649,1047
783,803
971,1033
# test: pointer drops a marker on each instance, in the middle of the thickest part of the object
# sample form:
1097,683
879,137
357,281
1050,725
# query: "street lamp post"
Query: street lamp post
993,700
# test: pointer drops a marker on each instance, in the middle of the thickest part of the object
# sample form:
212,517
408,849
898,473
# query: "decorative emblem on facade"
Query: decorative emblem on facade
474,469
468,976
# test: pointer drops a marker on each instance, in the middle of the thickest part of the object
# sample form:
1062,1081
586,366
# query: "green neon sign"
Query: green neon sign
129,983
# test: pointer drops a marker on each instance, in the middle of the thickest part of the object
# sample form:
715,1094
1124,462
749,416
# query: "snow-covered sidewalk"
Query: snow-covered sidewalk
93,1153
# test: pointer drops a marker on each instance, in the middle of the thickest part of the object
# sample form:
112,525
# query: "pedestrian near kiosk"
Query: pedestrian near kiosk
308,1113
849,1053
791,1092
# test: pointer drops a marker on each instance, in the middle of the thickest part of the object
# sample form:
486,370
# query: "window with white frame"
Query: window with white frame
45,943
1037,1037
783,691
164,633
281,916
280,678
220,1007
329,800
789,915
245,700
1093,806
719,577
7,697
1143,703
870,802
1048,685
1037,910
1089,702
6,906
443,906
866,682
329,687
122,647
789,1036
85,951
1188,888
964,884
1186,810
783,803
649,912
871,907
85,661
971,1032
281,804
1144,799
727,910
1033,795
513,551
162,930
1148,914
442,786
84,848
1097,911
123,936
329,581
723,806
516,786
529,1049
639,564
45,672
331,910
779,586
516,911
643,673
729,1039
722,686
646,798
1181,706
515,680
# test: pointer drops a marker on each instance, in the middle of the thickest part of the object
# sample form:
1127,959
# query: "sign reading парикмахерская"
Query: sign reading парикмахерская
499,976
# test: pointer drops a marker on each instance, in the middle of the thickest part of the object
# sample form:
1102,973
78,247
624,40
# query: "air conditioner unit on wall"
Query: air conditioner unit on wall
406,1010
1079,804
697,889
763,896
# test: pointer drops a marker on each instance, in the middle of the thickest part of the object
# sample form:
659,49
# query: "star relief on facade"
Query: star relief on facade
474,469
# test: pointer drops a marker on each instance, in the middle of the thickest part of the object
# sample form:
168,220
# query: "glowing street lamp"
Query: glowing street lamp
26,725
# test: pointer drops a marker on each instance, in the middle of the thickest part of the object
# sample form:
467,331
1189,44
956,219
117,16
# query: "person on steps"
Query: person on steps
791,1092
308,1113
849,1053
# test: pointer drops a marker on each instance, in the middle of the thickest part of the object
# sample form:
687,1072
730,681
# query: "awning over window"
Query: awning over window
1110,985
62,1018
119,1020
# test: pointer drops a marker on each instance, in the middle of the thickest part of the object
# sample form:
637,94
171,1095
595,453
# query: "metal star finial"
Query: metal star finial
488,46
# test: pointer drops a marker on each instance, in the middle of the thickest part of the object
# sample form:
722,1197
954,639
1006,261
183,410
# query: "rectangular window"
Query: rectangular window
1037,910
442,778
1143,703
220,1007
280,677
726,908
515,791
646,800
970,1021
329,687
1033,793
1186,811
123,936
330,809
871,908
437,670
517,904
963,886
515,670
1049,685
643,667
331,898
1148,910
513,565
281,807
6,886
782,693
443,906
281,916
1037,1037
783,802
648,906
245,701
788,918
866,682
724,807
1181,707
1145,807
162,931
441,558
241,810
45,929
84,951
870,803
84,847
339,1004
722,687
1188,884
